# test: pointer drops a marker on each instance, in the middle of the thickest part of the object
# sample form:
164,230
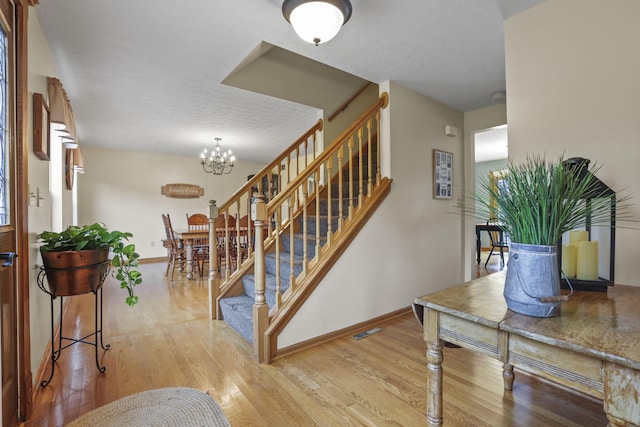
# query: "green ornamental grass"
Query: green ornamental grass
545,199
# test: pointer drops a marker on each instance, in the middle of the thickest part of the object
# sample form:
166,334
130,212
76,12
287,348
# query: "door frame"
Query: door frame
25,378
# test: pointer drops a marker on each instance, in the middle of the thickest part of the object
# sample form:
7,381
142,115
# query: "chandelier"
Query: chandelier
316,21
217,162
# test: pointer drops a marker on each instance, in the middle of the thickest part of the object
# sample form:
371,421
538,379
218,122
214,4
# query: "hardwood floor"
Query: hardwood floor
167,340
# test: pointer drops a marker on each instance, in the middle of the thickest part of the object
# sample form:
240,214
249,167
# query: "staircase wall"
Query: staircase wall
412,245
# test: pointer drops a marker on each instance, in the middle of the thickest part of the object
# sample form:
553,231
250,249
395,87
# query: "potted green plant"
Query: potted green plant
536,204
76,260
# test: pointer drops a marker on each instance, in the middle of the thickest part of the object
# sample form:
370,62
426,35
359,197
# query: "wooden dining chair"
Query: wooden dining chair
175,248
197,222
201,245
246,236
499,239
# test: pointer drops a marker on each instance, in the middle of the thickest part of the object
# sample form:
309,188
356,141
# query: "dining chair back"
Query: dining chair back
175,248
499,239
197,222
200,246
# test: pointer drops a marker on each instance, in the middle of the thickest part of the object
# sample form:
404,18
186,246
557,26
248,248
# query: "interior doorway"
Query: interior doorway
491,153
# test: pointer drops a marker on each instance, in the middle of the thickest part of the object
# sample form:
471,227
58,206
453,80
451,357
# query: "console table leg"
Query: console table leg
615,422
435,357
434,383
508,376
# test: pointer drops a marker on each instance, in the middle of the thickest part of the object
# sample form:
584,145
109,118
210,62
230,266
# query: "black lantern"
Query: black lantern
594,259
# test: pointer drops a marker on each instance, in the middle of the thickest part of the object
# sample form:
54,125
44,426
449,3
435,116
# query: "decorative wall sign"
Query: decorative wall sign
442,175
41,124
182,191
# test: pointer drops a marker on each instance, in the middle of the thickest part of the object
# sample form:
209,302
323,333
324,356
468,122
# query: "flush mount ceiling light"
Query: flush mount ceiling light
316,21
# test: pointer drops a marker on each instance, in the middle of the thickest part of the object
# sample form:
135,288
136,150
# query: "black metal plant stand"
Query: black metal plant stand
97,332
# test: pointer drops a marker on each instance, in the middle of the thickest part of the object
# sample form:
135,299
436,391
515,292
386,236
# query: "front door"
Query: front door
8,286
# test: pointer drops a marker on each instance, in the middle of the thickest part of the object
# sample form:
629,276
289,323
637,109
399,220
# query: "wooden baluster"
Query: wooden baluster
379,150
329,198
250,233
369,160
360,169
317,190
305,220
237,238
315,143
213,285
340,178
279,187
278,250
291,239
306,152
260,308
350,182
227,246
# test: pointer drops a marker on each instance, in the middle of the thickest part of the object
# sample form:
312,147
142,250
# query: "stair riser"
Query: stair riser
238,314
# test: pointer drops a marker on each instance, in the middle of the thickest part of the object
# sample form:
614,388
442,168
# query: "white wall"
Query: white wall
573,88
411,246
122,190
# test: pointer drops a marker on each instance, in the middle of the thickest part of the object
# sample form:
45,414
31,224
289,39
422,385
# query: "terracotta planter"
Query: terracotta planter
75,272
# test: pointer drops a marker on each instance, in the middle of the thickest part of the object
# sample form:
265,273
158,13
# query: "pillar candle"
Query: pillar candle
587,265
577,236
569,260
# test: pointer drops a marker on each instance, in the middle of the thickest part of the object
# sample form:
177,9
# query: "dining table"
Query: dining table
188,237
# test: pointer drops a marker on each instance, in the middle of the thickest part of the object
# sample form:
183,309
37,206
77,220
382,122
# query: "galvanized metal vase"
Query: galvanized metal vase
532,278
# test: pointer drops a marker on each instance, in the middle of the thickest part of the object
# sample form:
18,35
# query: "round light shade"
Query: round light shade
316,21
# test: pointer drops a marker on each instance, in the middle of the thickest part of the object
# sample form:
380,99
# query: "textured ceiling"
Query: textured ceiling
146,75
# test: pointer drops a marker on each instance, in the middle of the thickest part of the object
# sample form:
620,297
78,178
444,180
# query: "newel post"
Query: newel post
214,288
260,308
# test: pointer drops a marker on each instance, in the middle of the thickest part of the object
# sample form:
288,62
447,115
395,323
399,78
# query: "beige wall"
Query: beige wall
412,244
122,190
40,213
573,86
333,129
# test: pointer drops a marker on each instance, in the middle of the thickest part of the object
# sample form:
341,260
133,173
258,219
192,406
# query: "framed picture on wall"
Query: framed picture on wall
442,175
41,124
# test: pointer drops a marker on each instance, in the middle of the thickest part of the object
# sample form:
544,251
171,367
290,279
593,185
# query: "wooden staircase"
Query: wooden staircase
311,221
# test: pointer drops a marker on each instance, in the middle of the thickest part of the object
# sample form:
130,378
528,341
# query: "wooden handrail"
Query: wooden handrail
348,101
268,168
328,152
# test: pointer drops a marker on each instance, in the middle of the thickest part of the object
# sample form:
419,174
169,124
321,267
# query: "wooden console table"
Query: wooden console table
592,346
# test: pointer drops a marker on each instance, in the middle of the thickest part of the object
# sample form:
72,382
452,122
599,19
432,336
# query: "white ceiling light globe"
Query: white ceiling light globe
316,22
